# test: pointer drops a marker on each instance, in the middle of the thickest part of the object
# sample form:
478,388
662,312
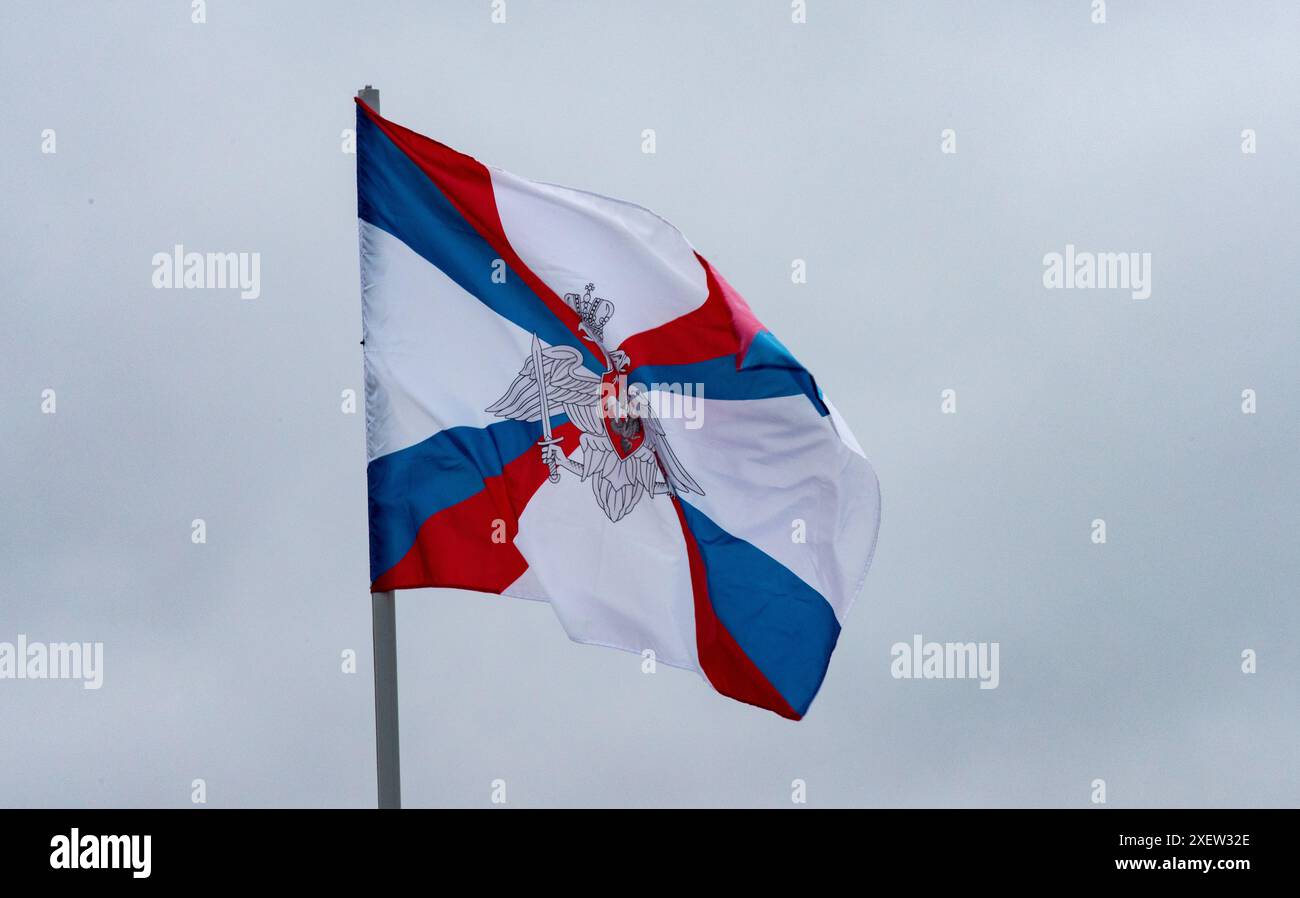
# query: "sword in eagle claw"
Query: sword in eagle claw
547,439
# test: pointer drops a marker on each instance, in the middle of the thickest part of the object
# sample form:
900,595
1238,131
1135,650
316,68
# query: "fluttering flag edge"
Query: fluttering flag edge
730,670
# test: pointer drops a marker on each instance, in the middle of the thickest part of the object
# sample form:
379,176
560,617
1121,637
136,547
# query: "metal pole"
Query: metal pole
370,96
383,622
383,626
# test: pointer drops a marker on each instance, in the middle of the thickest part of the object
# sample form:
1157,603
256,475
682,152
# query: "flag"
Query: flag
565,402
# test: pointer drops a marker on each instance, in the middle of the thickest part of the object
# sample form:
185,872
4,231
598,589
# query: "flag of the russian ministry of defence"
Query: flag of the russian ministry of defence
566,402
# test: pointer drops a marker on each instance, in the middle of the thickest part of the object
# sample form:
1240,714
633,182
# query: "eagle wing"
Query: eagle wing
568,386
677,476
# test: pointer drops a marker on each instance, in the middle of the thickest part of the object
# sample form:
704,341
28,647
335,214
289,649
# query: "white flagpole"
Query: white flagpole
383,625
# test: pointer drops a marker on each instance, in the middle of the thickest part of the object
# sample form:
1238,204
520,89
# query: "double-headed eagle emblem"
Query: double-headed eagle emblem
625,453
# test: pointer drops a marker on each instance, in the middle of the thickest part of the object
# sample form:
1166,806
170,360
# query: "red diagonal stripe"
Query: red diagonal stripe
723,325
467,185
454,547
722,659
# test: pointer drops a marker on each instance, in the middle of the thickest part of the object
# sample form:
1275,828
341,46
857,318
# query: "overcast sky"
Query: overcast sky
775,141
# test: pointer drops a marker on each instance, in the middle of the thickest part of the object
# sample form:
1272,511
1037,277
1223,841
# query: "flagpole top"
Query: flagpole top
370,96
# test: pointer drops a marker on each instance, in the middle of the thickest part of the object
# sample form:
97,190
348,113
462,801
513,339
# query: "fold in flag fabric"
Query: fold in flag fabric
565,402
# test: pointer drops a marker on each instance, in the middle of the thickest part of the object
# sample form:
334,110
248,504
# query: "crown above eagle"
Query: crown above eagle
593,310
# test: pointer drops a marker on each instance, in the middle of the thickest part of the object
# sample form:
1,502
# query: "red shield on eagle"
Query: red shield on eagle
622,424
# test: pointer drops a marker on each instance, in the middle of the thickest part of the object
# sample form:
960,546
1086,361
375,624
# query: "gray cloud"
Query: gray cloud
775,142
